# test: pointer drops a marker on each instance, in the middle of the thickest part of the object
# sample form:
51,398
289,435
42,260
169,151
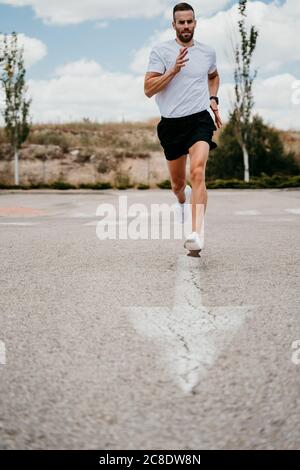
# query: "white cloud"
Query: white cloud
75,11
84,89
80,68
34,49
273,100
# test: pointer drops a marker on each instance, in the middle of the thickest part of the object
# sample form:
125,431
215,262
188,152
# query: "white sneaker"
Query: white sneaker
194,242
183,211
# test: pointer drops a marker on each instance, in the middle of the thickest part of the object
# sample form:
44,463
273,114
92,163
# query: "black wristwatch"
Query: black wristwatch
215,98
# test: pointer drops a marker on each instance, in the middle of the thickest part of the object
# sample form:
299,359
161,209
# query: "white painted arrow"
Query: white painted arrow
2,353
191,335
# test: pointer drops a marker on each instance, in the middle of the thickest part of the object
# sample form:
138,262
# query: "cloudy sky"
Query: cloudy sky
88,58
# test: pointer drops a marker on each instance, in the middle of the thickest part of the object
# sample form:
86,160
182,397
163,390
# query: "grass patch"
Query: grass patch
95,185
122,181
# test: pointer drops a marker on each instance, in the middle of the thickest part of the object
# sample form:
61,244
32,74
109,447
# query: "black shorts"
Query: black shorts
177,135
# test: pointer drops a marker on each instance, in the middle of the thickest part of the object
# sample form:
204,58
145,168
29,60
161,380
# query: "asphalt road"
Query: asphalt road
131,344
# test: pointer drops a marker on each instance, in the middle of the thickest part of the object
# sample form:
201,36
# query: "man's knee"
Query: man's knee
198,174
178,185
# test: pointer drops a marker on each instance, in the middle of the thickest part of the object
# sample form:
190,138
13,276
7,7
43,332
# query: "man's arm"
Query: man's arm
213,83
155,82
213,87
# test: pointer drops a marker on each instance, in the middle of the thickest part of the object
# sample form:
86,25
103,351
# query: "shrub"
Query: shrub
51,138
165,184
99,185
266,153
122,181
62,185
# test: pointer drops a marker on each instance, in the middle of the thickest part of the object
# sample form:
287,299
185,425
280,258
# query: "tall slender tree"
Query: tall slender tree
16,104
244,77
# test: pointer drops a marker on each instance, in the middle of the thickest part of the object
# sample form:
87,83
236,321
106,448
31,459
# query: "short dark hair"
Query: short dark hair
182,7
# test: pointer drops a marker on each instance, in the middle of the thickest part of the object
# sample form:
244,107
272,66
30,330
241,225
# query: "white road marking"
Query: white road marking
190,335
247,212
293,211
19,223
94,222
2,353
108,222
82,214
279,219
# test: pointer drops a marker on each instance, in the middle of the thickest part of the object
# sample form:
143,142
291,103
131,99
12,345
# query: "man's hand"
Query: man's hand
214,108
180,60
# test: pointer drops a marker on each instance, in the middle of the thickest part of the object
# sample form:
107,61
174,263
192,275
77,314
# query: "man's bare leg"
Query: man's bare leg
198,159
177,171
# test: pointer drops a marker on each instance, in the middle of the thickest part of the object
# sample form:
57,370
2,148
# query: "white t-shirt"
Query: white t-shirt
187,92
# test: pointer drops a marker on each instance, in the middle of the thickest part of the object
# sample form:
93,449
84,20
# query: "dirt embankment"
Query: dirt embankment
118,153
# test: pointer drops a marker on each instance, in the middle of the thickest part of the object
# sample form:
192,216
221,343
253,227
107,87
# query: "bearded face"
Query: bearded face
184,25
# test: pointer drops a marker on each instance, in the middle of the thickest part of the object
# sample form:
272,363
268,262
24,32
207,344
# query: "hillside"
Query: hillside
89,152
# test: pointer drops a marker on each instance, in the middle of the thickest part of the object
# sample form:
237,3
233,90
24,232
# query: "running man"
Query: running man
183,75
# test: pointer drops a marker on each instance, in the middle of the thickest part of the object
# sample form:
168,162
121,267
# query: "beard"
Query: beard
185,37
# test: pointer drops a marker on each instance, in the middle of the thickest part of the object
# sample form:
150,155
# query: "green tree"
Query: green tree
16,105
266,153
244,77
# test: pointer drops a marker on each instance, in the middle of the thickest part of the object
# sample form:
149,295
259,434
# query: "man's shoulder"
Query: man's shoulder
205,47
161,46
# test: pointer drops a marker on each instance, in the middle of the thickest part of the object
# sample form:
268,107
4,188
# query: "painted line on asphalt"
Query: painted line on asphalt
247,212
2,353
107,222
190,335
19,223
293,211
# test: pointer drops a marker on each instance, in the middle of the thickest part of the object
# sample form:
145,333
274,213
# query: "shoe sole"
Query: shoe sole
191,246
194,253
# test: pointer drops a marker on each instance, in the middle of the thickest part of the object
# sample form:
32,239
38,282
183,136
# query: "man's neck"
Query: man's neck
186,44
